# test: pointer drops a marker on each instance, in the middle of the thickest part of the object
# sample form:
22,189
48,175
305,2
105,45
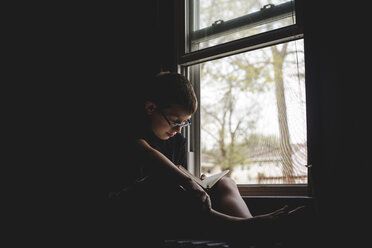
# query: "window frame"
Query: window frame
187,58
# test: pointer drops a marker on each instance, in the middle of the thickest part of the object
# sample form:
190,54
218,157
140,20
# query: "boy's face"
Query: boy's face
159,123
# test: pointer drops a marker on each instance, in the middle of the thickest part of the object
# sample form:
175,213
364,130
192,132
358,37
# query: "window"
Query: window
215,22
246,61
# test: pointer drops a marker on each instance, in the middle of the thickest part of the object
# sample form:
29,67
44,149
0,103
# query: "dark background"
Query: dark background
77,70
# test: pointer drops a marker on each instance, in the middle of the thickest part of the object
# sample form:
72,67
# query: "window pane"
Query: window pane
220,21
253,115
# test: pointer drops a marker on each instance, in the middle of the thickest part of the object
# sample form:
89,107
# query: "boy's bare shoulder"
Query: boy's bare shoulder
137,148
142,144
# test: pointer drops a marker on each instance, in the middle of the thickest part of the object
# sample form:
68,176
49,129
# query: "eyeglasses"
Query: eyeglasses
175,124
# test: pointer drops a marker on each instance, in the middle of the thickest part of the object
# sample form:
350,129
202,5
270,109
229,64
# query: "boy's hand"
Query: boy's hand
199,194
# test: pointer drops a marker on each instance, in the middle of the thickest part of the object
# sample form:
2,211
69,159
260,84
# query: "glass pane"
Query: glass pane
253,115
220,21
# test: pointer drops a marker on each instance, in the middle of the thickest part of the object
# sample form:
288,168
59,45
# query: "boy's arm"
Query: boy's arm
171,171
160,162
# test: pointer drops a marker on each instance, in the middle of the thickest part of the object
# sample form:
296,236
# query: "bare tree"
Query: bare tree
227,128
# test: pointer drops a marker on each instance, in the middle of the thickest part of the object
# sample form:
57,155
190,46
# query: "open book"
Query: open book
209,181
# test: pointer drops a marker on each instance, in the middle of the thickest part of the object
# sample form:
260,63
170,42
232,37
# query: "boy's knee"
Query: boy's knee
226,183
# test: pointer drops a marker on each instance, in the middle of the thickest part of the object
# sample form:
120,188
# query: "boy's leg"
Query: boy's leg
227,199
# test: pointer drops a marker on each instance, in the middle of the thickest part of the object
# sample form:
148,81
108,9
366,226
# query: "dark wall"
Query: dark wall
338,97
113,50
134,42
79,71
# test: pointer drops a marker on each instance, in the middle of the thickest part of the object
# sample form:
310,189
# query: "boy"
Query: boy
164,198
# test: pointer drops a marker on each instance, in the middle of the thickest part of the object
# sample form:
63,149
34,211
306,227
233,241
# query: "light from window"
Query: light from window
253,115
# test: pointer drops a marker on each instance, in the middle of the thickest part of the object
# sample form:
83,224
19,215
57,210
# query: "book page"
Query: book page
195,178
211,180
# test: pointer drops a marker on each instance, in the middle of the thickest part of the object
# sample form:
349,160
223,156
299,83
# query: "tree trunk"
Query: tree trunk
285,146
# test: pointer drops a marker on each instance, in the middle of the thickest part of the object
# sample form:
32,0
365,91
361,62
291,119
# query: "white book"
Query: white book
208,182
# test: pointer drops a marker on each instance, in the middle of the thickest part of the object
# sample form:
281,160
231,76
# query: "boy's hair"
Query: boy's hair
169,88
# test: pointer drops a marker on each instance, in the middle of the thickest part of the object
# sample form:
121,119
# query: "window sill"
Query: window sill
273,190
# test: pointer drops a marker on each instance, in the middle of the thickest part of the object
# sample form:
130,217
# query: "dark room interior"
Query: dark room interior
96,59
